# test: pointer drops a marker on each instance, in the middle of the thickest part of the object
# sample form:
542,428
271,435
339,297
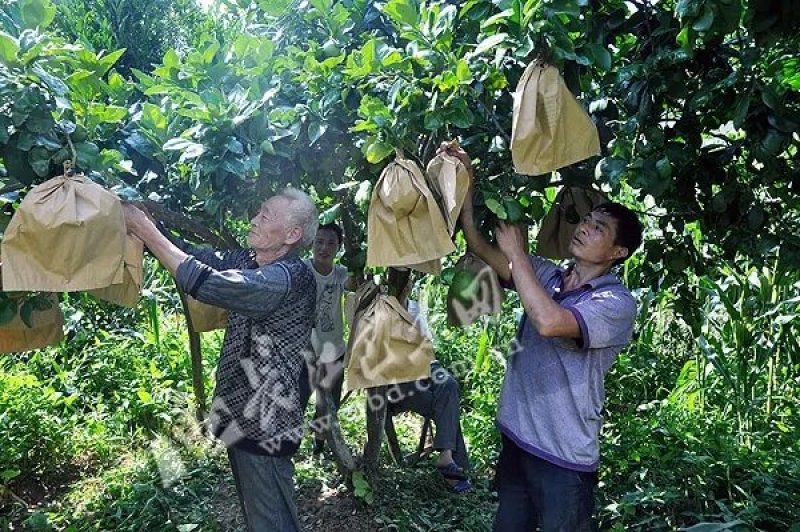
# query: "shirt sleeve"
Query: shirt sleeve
541,267
255,293
606,319
341,275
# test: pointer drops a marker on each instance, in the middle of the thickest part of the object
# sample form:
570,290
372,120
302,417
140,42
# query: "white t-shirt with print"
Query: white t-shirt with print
327,337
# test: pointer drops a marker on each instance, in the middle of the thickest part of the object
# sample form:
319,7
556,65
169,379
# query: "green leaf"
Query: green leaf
378,151
39,159
172,59
495,206
87,154
109,114
483,349
612,167
403,11
53,83
601,56
7,475
177,143
153,117
361,487
37,13
714,527
26,313
109,60
233,145
329,215
8,49
664,168
489,43
463,73
686,38
8,310
315,130
770,98
144,396
705,21
740,113
513,209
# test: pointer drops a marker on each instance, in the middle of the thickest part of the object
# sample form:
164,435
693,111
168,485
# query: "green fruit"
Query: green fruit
464,286
267,147
331,49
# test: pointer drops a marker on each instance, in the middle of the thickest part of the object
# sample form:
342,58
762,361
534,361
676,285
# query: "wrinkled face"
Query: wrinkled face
269,229
326,245
593,240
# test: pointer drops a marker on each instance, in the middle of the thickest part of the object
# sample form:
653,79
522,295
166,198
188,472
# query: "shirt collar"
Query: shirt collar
591,284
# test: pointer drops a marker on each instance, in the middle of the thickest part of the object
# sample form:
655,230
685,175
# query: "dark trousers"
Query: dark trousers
328,376
265,485
536,493
437,398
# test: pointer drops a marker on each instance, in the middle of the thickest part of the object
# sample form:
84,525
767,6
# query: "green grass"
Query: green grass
98,435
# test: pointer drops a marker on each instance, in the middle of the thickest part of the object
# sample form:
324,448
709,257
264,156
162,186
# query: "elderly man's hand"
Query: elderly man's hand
136,220
511,240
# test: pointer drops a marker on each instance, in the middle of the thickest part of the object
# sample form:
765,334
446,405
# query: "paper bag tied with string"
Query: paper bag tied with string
558,227
405,226
127,293
45,327
474,292
206,317
549,128
388,347
67,235
449,181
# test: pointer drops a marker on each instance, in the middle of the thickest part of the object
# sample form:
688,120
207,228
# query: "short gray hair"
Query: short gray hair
301,212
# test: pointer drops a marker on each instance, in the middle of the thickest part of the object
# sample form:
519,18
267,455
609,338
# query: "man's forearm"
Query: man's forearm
483,249
167,253
548,317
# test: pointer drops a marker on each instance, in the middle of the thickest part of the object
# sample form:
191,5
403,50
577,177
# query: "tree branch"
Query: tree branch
188,227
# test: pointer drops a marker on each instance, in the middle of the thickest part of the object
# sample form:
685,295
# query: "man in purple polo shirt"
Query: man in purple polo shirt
577,319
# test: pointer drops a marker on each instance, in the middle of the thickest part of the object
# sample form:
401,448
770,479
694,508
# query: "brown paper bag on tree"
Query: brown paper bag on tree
127,294
549,128
388,348
475,291
405,226
449,181
45,322
206,317
558,227
67,235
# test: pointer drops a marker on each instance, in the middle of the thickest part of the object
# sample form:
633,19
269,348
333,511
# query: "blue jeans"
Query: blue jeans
265,485
536,493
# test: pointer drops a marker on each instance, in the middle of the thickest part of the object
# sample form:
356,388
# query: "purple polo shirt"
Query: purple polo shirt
553,392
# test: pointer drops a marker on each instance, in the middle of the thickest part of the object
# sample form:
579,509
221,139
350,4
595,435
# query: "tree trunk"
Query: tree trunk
198,385
333,435
376,419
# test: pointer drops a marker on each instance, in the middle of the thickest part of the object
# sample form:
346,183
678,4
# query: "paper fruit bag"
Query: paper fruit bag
549,128
405,226
388,347
206,317
67,235
475,291
449,181
45,322
127,293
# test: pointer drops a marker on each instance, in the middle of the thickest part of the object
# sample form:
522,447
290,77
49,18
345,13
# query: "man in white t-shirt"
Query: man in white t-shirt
327,337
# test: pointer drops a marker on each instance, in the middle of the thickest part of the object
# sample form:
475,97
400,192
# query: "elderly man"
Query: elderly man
577,319
262,384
